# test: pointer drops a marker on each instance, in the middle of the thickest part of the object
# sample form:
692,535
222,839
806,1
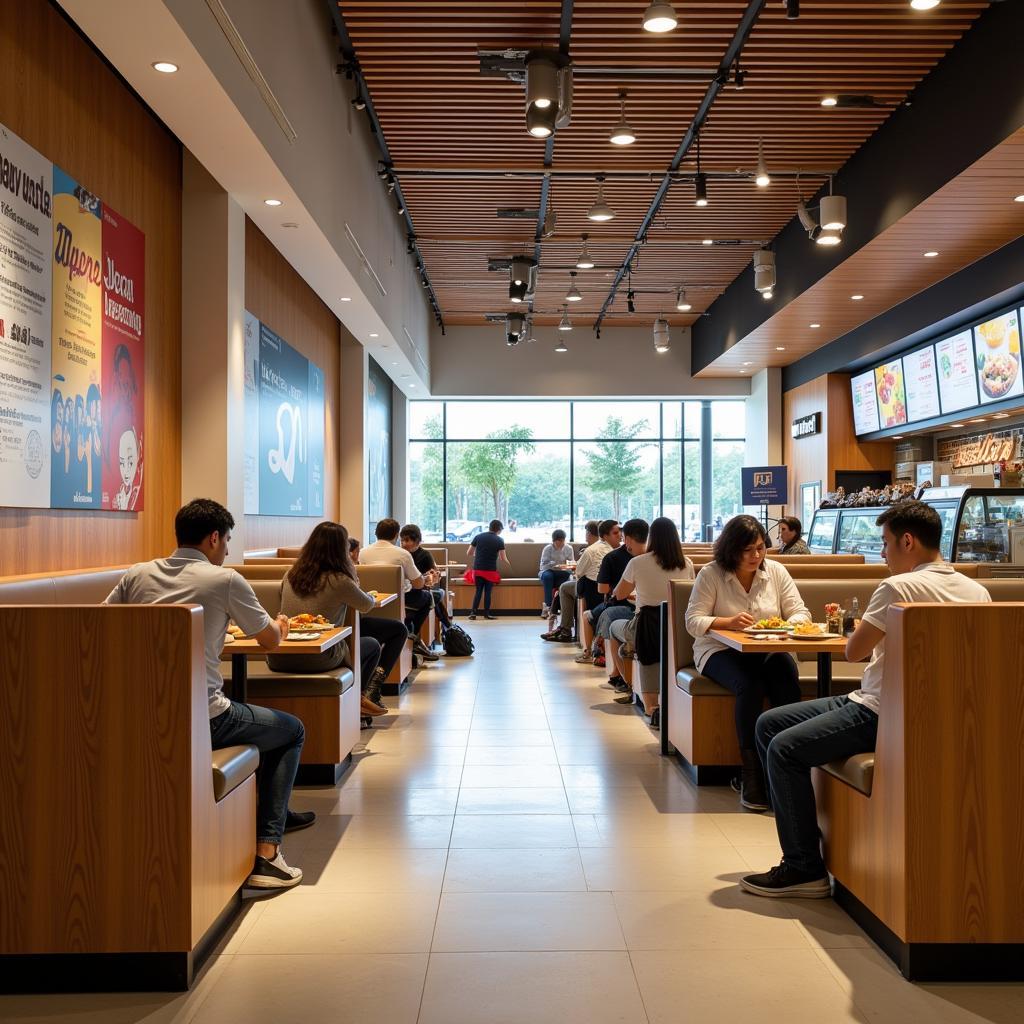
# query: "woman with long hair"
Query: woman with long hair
737,589
648,575
323,581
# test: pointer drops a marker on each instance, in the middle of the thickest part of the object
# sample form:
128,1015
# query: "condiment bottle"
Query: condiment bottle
850,618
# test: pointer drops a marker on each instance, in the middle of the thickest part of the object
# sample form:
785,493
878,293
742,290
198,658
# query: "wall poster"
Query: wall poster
284,426
378,444
72,275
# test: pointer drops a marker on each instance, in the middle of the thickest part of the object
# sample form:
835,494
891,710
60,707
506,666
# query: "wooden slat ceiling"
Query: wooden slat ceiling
439,114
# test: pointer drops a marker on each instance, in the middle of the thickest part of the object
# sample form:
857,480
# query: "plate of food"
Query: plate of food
303,634
309,623
235,632
774,624
811,631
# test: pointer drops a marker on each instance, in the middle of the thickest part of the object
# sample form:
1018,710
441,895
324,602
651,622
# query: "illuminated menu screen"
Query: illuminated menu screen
865,404
922,386
997,358
954,362
892,396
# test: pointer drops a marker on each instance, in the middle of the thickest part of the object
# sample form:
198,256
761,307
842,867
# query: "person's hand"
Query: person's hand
740,621
282,624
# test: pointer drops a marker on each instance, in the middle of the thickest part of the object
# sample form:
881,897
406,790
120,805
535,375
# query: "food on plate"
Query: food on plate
772,623
998,372
305,620
234,630
808,628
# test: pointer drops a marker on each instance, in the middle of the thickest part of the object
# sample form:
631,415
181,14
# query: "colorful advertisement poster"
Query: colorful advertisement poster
75,479
250,387
958,387
122,417
26,209
997,357
289,419
892,399
922,385
865,403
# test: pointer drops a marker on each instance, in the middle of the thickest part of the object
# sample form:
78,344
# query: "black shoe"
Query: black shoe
487,615
786,881
472,616
656,718
424,651
562,636
296,821
626,698
273,874
550,634
753,795
620,685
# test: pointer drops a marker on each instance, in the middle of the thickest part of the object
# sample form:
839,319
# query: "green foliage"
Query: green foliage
612,466
491,465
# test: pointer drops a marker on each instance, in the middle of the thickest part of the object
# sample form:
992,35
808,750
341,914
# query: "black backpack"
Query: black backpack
457,642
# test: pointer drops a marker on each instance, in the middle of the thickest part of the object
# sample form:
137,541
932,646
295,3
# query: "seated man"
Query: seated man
195,574
565,598
418,601
791,540
793,739
609,536
552,572
412,540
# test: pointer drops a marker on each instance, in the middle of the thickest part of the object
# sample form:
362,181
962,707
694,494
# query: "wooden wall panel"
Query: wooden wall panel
61,98
280,298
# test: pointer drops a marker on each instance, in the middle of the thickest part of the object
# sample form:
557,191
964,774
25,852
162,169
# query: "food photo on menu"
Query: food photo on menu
997,357
892,398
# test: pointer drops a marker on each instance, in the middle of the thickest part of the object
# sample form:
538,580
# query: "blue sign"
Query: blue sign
765,485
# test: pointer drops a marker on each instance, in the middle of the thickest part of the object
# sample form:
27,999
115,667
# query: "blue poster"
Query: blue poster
765,485
286,411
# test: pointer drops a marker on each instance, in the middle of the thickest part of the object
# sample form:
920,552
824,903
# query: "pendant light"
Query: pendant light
660,18
662,341
829,236
573,295
566,324
762,179
622,133
600,211
561,346
681,304
700,182
833,213
764,271
584,261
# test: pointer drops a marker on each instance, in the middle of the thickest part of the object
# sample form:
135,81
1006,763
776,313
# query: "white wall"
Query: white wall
764,424
476,362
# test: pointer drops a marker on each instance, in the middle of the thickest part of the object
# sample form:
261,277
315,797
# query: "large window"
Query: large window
541,465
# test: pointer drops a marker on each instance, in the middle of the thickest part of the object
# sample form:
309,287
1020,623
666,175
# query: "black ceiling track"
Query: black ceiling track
735,48
352,67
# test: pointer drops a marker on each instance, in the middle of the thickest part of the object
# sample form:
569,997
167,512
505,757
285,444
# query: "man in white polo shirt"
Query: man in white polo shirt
793,739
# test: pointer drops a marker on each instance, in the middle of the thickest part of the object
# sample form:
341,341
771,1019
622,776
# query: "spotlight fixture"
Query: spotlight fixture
764,271
516,293
584,261
521,279
662,341
540,121
761,179
792,9
573,295
520,270
856,298
807,221
681,304
561,346
515,324
1019,199
739,76
630,301
660,18
600,211
700,187
708,241
541,83
767,294
829,101
931,254
924,5
358,102
271,202
566,323
622,133
548,93
829,237
833,211
165,67
814,327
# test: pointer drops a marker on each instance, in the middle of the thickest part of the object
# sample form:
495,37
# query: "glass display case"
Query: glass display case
978,525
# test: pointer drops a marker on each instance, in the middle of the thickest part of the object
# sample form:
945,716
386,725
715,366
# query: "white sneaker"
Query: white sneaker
273,874
586,658
545,611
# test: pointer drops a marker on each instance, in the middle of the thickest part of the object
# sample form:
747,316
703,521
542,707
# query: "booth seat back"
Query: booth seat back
385,579
78,586
264,572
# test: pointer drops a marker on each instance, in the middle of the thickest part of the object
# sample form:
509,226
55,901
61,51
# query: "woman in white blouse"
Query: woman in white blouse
737,589
648,575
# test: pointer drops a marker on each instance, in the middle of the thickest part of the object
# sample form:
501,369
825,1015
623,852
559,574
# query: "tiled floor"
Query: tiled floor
510,847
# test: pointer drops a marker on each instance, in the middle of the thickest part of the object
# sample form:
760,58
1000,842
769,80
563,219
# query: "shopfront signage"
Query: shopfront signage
765,485
985,450
807,425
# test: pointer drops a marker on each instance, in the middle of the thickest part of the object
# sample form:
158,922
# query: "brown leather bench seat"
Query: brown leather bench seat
857,771
231,767
263,682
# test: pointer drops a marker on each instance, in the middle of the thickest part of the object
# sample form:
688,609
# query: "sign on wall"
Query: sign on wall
378,443
284,427
72,275
765,485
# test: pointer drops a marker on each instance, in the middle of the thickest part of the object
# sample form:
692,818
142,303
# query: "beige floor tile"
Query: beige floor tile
516,776
726,919
418,755
827,925
634,830
512,831
631,800
483,736
660,869
610,754
871,980
745,829
317,987
420,831
587,832
425,776
497,922
396,799
590,776
301,922
516,870
718,987
538,800
510,755
361,869
115,1007
538,988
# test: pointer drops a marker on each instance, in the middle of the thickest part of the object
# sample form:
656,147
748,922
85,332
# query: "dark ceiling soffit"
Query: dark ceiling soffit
995,281
962,110
349,53
739,39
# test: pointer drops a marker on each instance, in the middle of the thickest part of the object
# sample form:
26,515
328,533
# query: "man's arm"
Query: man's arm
864,640
270,637
504,558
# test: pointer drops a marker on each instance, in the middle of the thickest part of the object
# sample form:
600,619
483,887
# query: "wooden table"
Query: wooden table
382,600
747,643
243,648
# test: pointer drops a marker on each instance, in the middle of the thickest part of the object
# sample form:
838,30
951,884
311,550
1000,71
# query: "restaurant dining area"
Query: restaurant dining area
527,523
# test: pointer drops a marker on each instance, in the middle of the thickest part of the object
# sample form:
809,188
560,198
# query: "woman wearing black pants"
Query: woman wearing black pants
484,553
740,587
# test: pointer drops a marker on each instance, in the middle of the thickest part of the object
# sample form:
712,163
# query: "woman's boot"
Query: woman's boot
753,792
372,690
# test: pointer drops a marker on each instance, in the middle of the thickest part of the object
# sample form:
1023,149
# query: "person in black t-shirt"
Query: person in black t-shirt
411,539
484,552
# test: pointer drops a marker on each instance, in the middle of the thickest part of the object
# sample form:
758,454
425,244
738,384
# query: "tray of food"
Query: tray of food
770,625
308,623
812,631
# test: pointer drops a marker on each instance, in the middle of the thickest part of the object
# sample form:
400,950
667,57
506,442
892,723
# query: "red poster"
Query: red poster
124,259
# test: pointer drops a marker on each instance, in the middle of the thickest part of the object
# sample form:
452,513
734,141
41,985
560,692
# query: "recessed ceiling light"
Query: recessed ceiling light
815,326
290,224
956,424
412,385
394,362
897,437
165,67
747,363
829,101
346,298
271,202
856,298
780,348
978,419
708,241
374,335
931,254
743,371
924,5
1000,415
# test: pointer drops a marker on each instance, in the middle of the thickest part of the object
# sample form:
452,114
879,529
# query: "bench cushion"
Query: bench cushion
696,685
231,767
857,771
265,683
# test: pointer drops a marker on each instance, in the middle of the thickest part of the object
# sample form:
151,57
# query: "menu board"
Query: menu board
958,388
922,385
997,358
892,398
865,404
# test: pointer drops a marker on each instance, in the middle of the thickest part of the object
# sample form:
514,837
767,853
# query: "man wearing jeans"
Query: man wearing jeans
793,739
195,574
